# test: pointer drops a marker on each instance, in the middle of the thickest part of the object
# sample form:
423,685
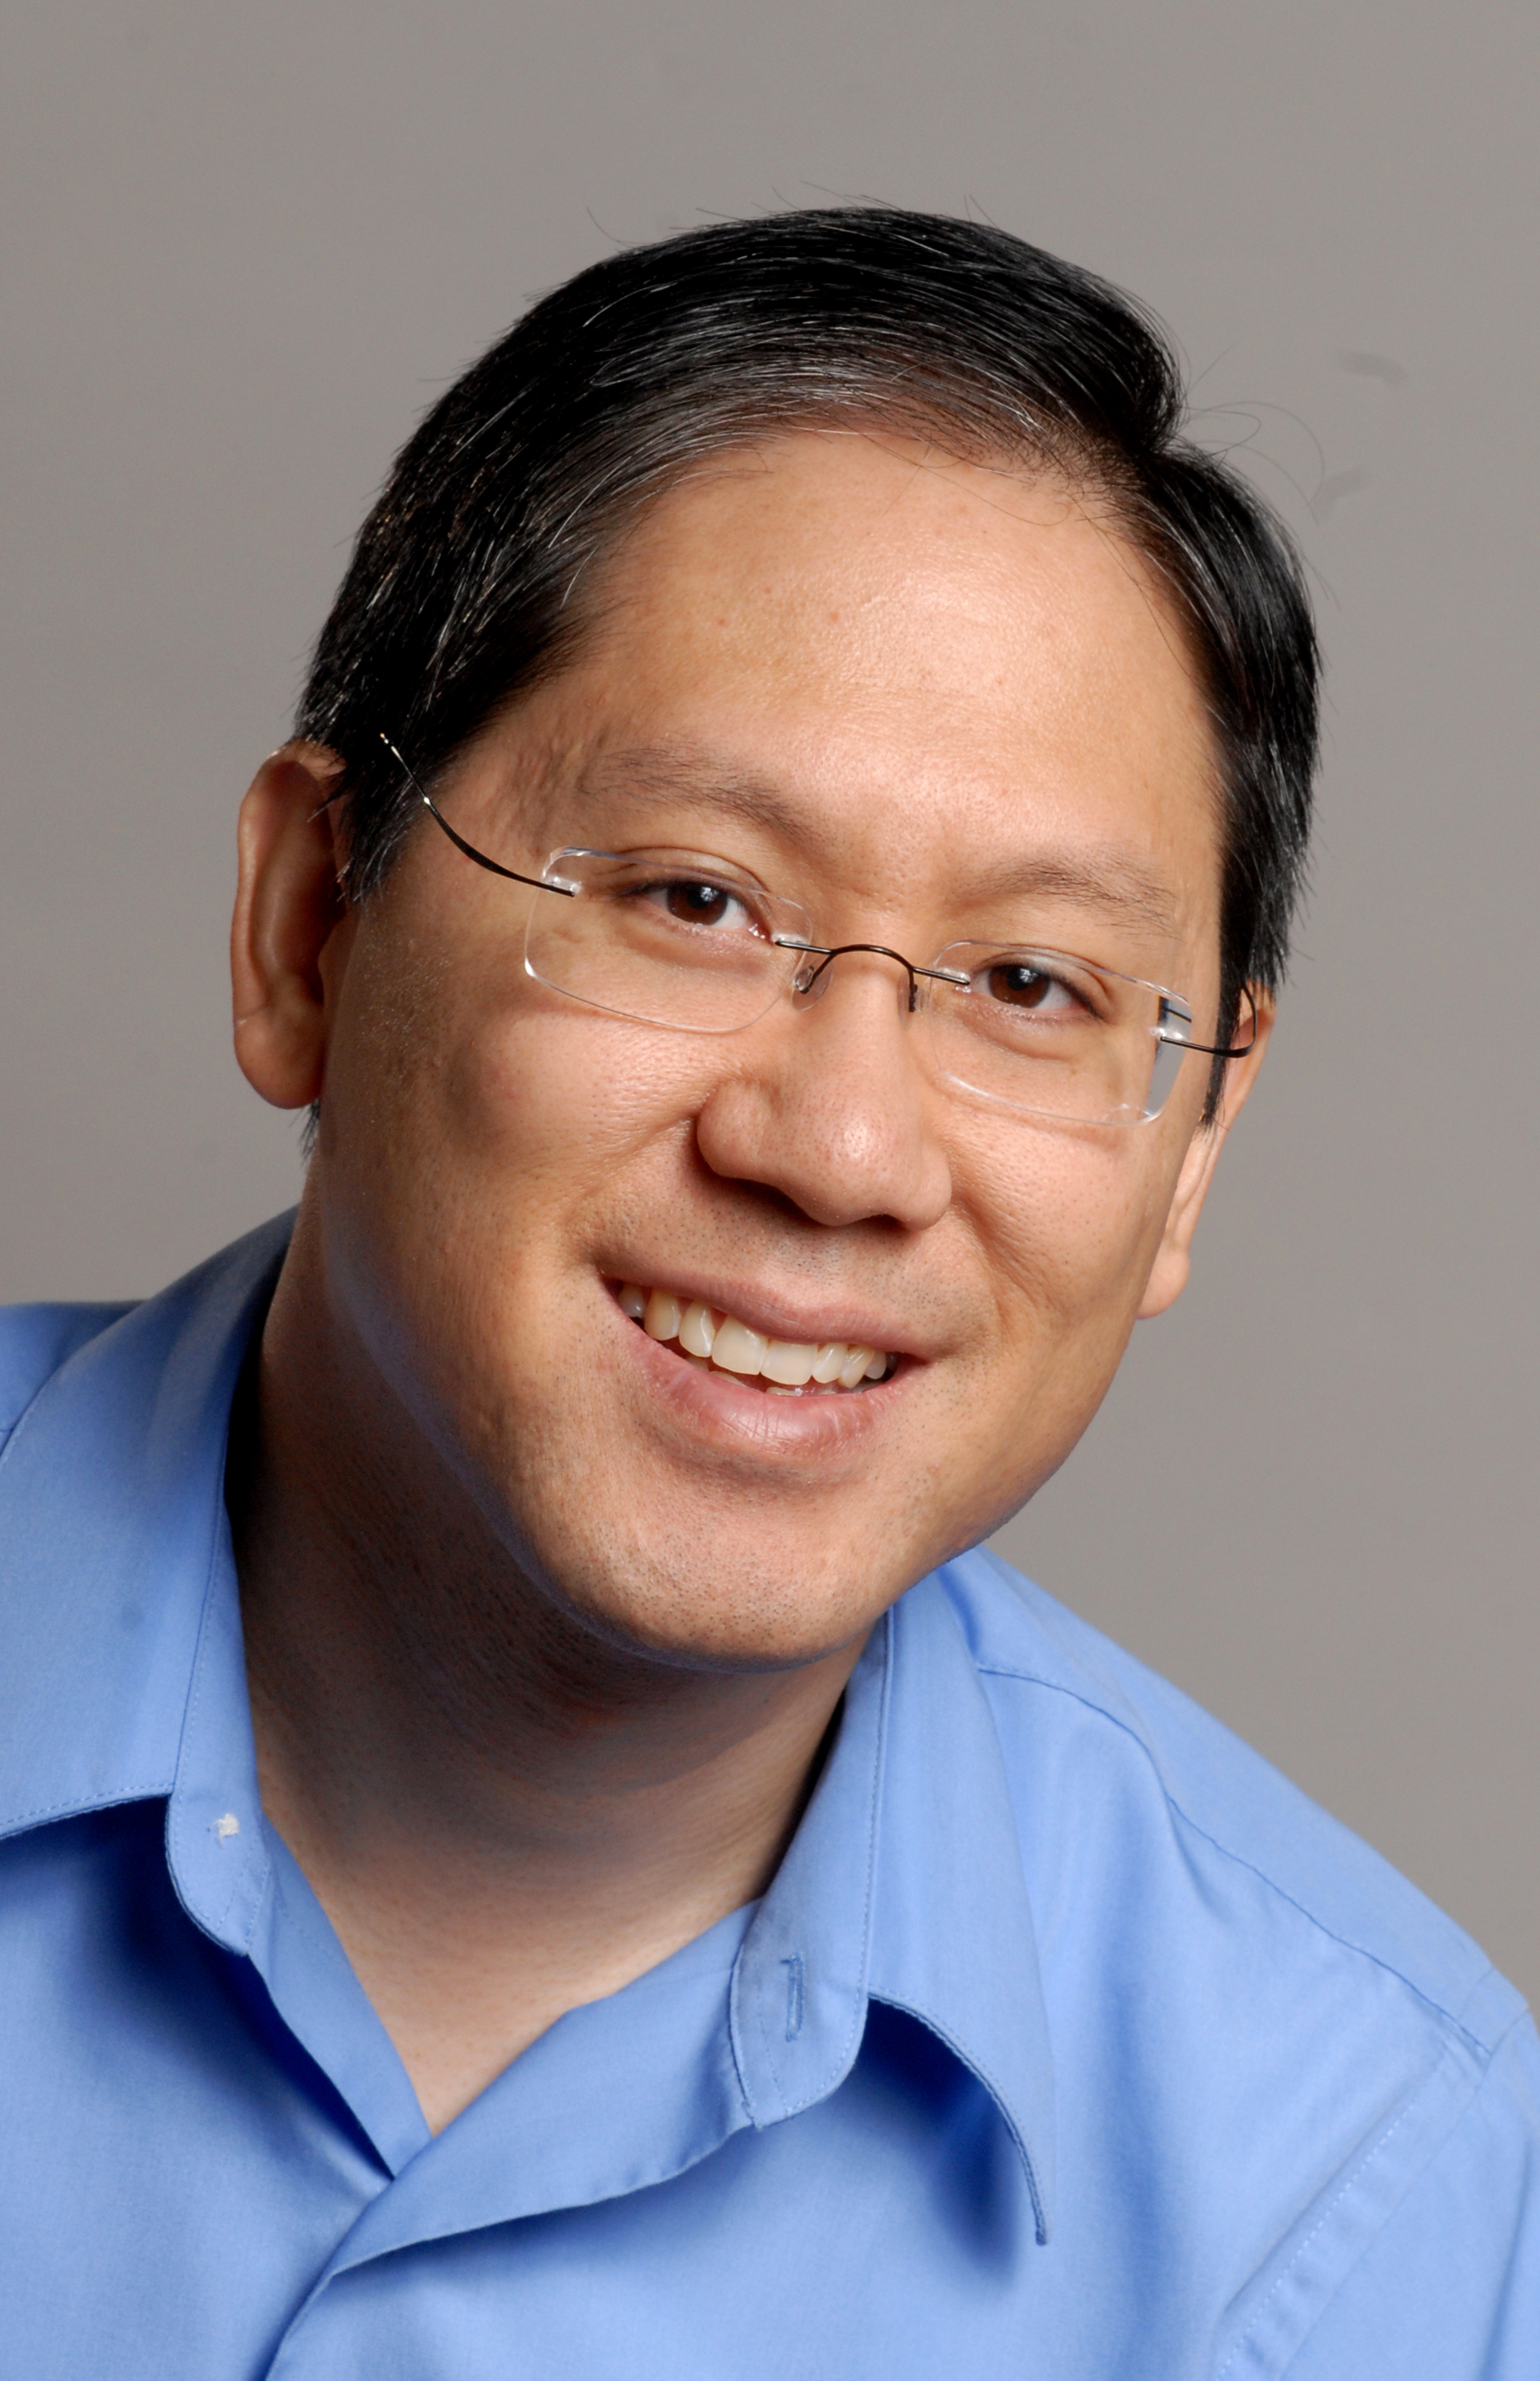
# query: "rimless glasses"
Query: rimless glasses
693,943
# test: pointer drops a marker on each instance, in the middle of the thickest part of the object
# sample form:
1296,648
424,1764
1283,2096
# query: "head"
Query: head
860,553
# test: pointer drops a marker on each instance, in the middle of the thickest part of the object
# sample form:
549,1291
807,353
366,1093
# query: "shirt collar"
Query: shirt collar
903,1882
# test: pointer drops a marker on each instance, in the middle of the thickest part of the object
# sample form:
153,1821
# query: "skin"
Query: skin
546,1627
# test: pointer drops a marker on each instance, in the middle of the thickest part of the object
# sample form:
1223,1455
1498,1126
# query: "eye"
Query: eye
696,901
1015,984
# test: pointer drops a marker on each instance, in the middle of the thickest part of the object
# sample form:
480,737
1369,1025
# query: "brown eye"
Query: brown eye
700,903
697,904
1025,987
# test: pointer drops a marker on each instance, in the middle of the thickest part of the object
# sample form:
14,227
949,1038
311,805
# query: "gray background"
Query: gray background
246,246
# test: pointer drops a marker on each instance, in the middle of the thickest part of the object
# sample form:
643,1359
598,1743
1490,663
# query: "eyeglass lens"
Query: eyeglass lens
676,940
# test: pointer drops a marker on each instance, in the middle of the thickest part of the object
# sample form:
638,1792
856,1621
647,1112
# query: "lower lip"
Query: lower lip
717,1405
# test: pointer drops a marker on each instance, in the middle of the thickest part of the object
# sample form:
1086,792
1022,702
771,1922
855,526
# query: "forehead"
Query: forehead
914,662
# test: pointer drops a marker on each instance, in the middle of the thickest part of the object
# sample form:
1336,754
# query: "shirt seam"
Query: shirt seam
1355,2175
1380,2230
9,1432
1451,2017
307,1923
846,2051
842,2057
176,1832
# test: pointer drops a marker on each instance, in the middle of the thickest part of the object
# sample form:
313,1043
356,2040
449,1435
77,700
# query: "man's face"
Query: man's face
929,701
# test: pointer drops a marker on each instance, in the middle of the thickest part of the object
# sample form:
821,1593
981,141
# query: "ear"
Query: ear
288,909
1173,1259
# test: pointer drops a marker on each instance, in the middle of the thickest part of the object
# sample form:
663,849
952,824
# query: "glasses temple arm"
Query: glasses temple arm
495,867
1211,1049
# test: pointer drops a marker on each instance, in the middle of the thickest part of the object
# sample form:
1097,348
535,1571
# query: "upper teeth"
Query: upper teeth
723,1340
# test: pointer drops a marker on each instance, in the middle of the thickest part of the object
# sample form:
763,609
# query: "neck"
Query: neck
503,1814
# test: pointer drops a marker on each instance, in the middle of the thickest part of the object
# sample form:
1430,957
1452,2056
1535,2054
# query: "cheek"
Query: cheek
475,1115
1070,1225
544,1105
1065,1231
469,1134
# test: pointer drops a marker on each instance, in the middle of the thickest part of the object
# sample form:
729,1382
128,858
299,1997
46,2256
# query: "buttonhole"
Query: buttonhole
794,1996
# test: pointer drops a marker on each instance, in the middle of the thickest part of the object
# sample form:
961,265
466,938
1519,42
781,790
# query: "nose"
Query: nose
830,1105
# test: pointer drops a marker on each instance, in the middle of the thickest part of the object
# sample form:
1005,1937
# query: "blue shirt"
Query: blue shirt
1068,2039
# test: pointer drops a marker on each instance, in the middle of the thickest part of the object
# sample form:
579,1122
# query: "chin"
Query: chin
741,1616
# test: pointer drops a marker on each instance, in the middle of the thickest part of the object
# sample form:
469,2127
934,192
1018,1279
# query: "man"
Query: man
533,1845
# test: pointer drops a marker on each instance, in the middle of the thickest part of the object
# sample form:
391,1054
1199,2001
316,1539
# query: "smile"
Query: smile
719,1342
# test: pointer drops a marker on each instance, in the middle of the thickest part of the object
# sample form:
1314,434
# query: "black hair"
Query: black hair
459,594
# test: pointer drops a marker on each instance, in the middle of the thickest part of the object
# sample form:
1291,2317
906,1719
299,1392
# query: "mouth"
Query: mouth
718,1342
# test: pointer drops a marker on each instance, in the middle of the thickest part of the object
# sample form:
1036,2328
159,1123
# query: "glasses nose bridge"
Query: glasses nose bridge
810,983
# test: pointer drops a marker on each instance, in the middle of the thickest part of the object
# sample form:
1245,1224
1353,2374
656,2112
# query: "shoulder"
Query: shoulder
1328,2083
102,1364
35,1341
1142,1757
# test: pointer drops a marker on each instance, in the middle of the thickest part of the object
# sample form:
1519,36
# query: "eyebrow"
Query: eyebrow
691,778
1118,887
1111,883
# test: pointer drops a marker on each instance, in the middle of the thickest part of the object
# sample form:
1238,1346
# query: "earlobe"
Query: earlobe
288,907
1174,1258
